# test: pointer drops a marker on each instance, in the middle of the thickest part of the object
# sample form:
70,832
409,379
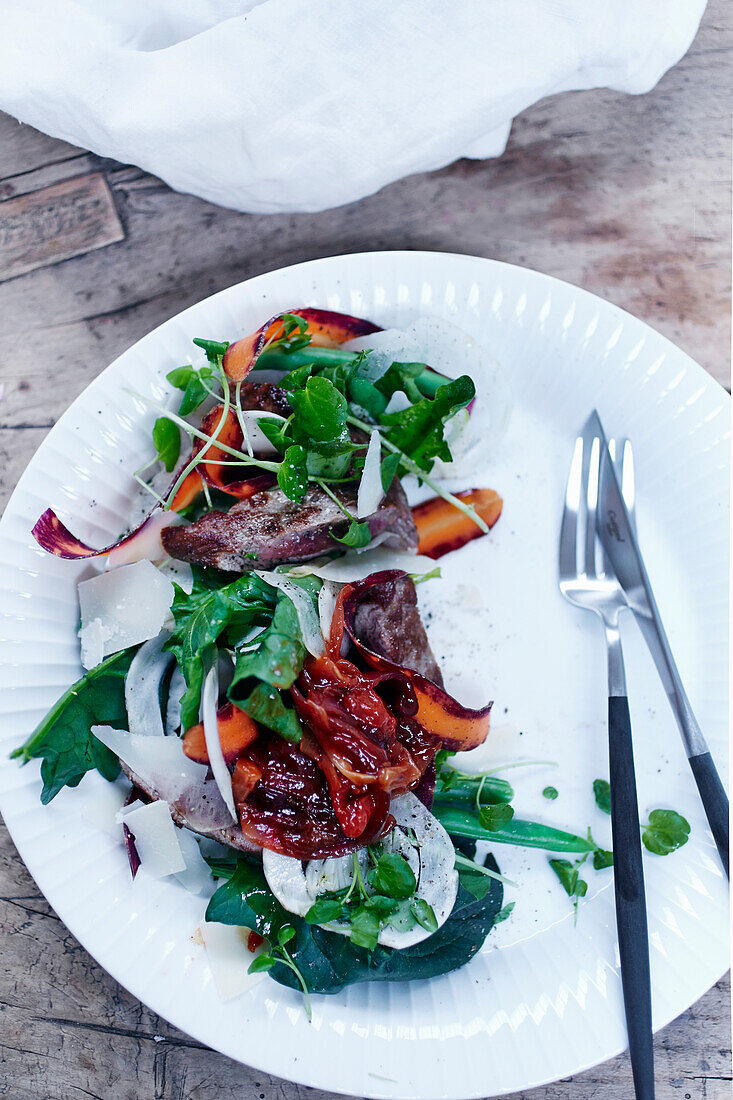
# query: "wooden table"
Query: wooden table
626,196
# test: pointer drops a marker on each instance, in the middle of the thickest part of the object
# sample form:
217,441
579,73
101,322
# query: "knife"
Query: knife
620,543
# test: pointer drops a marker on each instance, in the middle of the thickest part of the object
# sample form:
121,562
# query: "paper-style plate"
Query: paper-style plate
542,1000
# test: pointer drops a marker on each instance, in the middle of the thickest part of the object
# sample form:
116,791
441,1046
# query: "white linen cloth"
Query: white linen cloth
286,105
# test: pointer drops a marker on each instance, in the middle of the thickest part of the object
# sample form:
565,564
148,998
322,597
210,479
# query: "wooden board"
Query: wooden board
626,196
52,224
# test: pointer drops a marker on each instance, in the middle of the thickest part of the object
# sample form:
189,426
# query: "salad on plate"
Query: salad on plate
258,670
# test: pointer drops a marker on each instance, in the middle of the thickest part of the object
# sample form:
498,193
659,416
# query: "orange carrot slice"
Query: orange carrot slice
246,777
236,731
442,528
188,492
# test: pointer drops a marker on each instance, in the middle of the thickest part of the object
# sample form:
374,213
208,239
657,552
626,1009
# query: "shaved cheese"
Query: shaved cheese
131,604
158,761
196,877
370,491
307,618
156,839
229,958
209,706
146,545
180,572
142,686
258,441
92,640
355,566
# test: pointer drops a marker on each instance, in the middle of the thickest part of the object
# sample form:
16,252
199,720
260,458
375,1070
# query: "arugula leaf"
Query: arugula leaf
63,739
388,470
266,706
666,832
167,441
280,652
292,474
551,793
418,429
602,794
358,535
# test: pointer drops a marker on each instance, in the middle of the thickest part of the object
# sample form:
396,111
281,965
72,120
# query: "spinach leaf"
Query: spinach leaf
266,706
64,740
666,832
418,429
246,900
602,794
167,441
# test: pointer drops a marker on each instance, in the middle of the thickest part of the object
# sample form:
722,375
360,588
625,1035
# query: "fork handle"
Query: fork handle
714,800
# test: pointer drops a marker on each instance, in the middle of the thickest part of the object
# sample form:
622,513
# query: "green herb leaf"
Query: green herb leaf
214,349
63,739
325,909
602,794
279,654
505,913
320,411
495,817
364,928
424,914
569,875
262,962
357,536
292,474
167,441
551,793
393,876
666,832
602,859
388,470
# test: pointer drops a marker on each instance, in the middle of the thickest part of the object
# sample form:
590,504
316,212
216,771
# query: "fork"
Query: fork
588,582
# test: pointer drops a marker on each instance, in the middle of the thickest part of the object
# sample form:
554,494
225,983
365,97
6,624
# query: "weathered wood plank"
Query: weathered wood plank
67,219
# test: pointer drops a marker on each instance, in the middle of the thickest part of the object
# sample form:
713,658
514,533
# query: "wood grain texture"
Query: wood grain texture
626,196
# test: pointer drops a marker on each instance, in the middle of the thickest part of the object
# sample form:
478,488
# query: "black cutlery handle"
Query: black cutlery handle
715,802
628,876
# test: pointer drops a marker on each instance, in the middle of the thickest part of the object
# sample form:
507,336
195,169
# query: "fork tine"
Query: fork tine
591,506
628,486
568,555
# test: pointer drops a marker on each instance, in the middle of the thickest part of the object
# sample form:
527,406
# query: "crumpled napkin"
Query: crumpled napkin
292,105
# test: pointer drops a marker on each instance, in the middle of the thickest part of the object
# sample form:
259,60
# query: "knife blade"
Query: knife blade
619,540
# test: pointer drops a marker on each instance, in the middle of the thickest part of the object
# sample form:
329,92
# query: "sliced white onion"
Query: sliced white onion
175,697
452,352
307,618
196,877
142,686
156,839
326,605
370,492
354,566
159,761
432,862
209,706
131,604
146,545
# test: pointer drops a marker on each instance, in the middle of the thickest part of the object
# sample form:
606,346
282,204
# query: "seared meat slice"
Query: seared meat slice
199,808
387,620
268,529
264,397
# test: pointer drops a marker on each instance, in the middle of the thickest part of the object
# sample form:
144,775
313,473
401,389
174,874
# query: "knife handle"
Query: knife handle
628,881
715,802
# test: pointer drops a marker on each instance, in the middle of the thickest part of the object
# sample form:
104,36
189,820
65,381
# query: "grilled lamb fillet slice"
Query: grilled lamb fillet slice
201,812
264,397
388,621
268,529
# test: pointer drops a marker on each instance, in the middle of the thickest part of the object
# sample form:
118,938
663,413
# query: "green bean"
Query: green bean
526,834
428,382
463,791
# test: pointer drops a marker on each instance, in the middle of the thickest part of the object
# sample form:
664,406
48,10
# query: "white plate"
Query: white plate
549,1002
